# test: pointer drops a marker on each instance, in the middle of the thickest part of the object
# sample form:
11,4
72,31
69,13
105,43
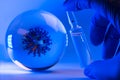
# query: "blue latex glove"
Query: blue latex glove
107,12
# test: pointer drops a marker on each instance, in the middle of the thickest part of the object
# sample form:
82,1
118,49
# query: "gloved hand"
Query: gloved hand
105,24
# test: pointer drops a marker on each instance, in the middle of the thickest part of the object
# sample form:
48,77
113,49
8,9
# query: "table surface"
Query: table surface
9,71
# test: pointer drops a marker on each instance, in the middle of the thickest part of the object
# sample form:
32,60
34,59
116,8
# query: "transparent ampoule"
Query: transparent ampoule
79,41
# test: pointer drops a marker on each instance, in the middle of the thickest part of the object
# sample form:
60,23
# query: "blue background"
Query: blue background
9,9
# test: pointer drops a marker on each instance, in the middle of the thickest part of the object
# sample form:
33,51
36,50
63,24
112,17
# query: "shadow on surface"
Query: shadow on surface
10,71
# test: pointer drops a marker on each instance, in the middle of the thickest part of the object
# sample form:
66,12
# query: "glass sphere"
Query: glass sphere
35,40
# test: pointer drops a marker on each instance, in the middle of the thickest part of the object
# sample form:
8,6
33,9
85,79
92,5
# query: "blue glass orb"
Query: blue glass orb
35,40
